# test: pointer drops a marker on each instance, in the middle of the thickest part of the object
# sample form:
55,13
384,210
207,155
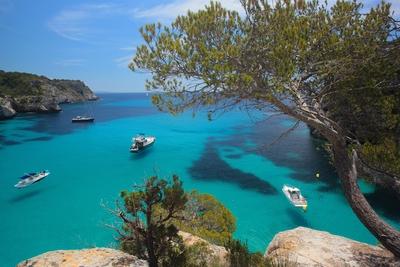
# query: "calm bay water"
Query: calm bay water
229,158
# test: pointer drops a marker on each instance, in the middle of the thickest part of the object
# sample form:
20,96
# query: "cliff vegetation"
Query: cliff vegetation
25,92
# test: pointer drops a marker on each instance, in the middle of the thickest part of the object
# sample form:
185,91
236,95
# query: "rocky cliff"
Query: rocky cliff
24,92
307,247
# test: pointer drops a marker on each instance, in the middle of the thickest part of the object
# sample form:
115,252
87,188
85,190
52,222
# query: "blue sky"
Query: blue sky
88,40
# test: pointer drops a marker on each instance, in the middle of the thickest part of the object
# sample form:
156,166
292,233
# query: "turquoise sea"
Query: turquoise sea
232,158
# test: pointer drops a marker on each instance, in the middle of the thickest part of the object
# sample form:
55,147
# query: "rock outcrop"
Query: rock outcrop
95,257
107,257
6,109
217,255
300,247
24,92
307,247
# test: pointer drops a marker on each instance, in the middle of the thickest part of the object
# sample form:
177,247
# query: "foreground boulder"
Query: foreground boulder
306,247
106,257
95,257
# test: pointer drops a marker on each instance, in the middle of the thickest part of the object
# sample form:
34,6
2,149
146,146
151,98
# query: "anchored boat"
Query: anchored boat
295,197
141,142
31,178
88,117
82,119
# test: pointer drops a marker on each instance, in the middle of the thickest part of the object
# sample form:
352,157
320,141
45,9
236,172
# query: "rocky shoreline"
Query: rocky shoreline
23,92
301,247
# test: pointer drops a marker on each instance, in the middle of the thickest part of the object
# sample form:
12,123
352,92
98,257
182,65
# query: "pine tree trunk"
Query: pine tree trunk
346,167
398,137
152,259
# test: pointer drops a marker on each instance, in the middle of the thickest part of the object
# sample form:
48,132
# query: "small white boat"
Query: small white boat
141,142
295,197
82,119
31,178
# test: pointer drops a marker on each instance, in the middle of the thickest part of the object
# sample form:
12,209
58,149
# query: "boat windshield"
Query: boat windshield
294,194
27,175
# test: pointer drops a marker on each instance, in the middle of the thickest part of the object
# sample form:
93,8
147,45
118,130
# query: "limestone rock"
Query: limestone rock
6,109
218,252
68,91
306,247
24,92
40,104
95,257
106,257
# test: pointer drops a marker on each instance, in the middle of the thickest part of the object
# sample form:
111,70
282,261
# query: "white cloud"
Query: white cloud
128,48
74,24
77,23
123,61
180,7
70,62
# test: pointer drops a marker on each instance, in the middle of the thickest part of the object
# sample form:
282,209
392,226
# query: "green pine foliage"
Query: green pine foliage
341,60
383,156
240,256
199,255
335,68
153,213
206,217
149,236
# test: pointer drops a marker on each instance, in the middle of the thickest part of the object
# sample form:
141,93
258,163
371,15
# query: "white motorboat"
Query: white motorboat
31,178
82,119
141,142
88,117
295,197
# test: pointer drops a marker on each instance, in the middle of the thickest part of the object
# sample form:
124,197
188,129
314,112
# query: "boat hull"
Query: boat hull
83,120
31,180
149,142
137,150
301,202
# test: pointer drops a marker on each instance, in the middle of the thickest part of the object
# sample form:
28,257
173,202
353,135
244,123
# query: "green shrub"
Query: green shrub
206,217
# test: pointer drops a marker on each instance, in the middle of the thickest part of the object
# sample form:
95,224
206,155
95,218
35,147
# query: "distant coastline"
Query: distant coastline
25,92
123,92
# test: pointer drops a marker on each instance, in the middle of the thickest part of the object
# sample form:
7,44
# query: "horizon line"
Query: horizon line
120,92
